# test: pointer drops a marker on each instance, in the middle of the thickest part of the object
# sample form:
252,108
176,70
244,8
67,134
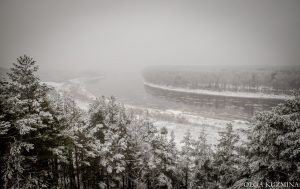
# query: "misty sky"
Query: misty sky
86,34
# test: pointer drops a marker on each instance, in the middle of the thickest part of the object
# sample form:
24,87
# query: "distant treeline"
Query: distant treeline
236,80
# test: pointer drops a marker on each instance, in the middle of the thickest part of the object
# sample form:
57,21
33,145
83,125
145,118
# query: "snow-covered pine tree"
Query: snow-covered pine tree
74,147
187,160
28,130
110,120
139,156
225,158
274,144
203,173
162,161
173,154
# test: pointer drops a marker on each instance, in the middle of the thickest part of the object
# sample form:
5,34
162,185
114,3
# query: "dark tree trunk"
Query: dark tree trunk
186,178
77,168
71,171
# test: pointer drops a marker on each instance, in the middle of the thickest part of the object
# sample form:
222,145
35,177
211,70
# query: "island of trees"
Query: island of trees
47,141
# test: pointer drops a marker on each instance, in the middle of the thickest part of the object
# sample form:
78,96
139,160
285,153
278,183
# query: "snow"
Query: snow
83,105
181,129
85,79
180,122
75,89
217,93
56,85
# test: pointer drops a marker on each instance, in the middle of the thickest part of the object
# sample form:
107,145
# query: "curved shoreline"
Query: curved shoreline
223,93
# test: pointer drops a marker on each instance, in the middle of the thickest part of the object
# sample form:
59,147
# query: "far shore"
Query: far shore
222,93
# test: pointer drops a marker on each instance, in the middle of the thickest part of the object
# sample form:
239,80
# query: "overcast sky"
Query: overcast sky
87,34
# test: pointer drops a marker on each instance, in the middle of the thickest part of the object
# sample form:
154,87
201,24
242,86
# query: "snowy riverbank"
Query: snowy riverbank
180,122
75,89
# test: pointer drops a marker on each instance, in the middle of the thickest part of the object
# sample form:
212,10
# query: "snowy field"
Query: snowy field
180,122
74,88
222,93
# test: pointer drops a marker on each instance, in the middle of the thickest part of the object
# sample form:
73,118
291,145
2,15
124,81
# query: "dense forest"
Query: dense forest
47,141
277,81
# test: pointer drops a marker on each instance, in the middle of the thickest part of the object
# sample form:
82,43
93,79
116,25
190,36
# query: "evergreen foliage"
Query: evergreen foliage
226,158
274,144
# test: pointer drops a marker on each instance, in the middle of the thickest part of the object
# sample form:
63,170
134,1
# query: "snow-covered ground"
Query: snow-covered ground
216,93
180,122
181,129
75,89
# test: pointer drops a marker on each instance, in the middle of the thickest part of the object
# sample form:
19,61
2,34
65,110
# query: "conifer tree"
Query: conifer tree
186,159
138,153
203,176
73,147
28,128
274,145
225,161
173,154
110,120
162,160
